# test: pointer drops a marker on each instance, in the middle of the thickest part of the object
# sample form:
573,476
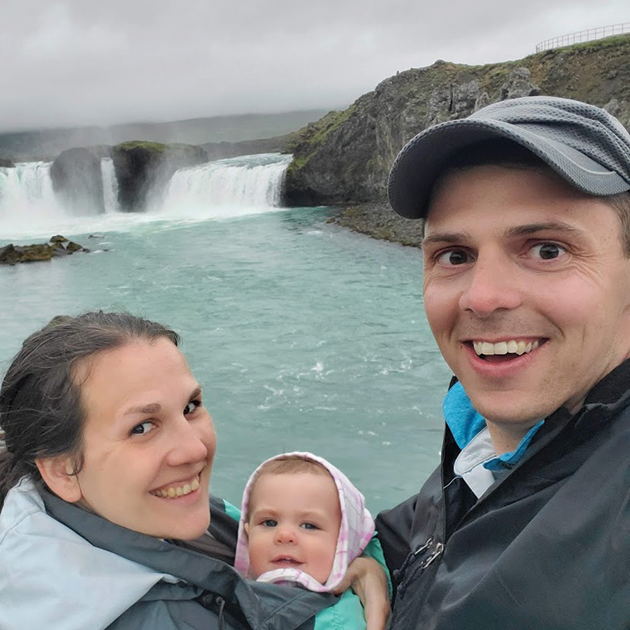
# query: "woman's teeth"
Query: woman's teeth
504,347
177,491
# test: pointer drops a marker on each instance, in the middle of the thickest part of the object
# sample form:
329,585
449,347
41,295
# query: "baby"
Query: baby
302,521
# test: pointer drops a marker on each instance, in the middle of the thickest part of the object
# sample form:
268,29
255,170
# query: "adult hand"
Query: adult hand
366,577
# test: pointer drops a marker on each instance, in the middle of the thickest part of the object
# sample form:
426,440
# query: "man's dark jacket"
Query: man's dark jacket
547,547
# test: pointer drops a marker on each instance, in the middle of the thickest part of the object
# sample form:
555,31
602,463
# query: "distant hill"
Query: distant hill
48,143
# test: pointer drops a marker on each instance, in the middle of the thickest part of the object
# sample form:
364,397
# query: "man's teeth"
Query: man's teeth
177,491
504,347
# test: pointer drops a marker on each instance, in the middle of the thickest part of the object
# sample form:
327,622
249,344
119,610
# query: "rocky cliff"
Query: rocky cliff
345,157
77,180
146,167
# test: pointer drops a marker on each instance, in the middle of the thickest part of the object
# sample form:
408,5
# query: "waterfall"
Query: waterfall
235,184
110,185
27,195
222,189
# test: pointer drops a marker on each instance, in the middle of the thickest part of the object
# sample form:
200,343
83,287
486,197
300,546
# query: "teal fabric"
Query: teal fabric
507,460
347,613
465,422
232,511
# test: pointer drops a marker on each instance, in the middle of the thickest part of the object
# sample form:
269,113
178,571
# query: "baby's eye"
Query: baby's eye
143,428
191,407
309,526
269,522
548,251
453,257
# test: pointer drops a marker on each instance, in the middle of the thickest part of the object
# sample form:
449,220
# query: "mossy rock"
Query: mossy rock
146,167
58,246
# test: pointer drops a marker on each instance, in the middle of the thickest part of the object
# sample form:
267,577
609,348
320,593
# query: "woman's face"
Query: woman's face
148,442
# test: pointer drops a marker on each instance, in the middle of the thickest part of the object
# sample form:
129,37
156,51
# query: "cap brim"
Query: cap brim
425,157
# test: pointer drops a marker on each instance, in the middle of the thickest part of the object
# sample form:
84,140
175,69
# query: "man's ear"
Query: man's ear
246,529
57,473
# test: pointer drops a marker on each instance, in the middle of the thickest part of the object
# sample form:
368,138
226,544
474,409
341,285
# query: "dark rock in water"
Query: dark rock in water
96,236
6,164
141,167
72,247
78,181
57,246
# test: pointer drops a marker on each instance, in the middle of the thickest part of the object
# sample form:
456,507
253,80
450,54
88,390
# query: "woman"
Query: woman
104,479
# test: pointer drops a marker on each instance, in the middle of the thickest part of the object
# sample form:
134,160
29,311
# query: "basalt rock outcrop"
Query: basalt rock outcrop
57,246
344,158
78,181
144,168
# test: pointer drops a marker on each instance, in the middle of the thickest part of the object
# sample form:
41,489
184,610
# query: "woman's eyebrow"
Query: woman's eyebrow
156,407
144,409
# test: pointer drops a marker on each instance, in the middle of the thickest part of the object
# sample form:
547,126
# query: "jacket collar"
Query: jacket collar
465,423
202,572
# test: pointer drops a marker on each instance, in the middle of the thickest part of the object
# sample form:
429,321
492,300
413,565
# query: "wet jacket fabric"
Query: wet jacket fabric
63,568
546,547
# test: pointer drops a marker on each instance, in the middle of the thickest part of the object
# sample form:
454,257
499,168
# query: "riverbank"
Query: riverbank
379,221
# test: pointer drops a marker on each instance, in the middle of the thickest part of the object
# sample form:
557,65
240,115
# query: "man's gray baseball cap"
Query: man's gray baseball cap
585,145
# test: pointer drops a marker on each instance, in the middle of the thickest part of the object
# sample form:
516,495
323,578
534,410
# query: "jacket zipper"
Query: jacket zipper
436,552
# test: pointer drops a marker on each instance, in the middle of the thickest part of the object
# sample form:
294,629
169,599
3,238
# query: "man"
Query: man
526,523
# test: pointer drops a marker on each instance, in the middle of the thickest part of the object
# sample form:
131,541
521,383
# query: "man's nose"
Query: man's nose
285,535
491,286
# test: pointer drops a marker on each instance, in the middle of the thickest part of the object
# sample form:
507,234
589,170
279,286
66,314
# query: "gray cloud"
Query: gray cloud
76,62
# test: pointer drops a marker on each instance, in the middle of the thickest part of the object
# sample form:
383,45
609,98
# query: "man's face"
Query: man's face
527,291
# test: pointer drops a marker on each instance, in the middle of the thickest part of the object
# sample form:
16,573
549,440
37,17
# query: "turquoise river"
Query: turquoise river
305,336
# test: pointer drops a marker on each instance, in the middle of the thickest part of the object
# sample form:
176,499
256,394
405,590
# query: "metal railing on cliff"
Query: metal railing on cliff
584,36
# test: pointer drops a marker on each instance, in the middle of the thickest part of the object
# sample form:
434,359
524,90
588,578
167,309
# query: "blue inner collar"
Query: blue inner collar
465,422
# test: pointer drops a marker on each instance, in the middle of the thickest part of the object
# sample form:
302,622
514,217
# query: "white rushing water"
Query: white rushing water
27,197
233,186
218,190
110,185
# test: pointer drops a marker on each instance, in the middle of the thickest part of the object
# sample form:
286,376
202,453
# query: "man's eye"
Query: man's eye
453,257
143,428
269,522
548,251
309,526
191,407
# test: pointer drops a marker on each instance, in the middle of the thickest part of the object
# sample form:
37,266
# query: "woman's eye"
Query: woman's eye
143,428
269,523
453,257
548,251
192,406
309,526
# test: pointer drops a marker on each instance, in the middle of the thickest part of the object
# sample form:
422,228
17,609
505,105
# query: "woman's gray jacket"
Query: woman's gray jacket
63,568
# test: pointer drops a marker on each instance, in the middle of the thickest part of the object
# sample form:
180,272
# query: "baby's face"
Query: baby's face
294,523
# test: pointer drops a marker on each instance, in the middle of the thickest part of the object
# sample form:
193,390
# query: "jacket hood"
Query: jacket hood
355,532
50,577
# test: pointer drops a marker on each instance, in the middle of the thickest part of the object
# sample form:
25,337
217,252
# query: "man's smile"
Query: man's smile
507,347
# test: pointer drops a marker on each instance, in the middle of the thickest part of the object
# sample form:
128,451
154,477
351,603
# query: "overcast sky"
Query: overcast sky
83,62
